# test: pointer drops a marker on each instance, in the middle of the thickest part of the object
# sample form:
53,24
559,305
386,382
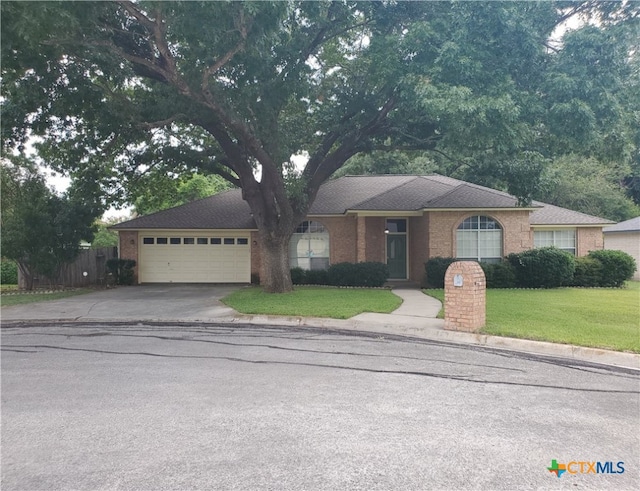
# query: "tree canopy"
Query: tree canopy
158,191
120,90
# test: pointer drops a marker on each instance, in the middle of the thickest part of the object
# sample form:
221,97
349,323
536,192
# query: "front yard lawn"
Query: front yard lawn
7,300
594,317
309,301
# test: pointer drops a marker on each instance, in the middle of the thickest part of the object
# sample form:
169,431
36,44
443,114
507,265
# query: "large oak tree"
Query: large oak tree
119,90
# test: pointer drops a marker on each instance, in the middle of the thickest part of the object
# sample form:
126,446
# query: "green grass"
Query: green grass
24,298
594,317
308,301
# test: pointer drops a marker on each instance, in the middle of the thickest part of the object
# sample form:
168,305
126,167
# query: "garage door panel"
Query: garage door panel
209,262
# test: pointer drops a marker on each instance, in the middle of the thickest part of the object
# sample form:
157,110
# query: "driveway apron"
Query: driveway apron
147,302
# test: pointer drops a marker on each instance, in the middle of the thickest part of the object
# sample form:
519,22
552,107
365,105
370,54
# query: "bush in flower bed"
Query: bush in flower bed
435,269
545,267
617,267
499,275
367,274
588,272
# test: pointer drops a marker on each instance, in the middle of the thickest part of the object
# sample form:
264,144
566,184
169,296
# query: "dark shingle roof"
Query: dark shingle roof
554,215
632,225
404,193
471,196
220,211
359,193
336,196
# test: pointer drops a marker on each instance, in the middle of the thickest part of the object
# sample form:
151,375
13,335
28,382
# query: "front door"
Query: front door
397,256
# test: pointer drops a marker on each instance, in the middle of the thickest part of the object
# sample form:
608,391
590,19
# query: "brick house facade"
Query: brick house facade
352,216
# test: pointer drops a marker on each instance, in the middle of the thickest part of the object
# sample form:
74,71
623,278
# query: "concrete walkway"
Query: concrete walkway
416,317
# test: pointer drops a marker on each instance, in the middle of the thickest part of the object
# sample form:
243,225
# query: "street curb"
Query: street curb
434,331
404,326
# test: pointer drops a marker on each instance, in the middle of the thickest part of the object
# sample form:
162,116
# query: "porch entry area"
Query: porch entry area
396,233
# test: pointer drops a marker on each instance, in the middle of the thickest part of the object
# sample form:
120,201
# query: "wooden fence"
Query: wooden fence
93,262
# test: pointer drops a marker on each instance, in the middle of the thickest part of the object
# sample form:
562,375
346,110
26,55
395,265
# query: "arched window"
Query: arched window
309,246
479,238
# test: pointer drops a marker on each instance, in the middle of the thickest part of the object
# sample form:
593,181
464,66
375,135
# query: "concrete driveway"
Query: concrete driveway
127,303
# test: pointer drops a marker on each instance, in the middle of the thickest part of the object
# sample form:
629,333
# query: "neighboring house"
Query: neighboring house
625,236
399,220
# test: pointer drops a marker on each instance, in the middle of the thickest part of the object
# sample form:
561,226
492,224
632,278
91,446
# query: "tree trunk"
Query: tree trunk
275,274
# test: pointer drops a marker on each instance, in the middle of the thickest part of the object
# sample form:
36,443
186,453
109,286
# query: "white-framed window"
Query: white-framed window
309,246
479,238
564,239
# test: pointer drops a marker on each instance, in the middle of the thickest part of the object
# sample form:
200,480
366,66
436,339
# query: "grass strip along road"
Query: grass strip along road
594,317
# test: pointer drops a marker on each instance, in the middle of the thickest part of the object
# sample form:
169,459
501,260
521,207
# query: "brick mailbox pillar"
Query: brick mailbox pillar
464,297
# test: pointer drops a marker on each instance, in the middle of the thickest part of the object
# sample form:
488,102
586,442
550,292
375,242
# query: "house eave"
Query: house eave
384,213
567,225
422,211
515,208
186,230
607,232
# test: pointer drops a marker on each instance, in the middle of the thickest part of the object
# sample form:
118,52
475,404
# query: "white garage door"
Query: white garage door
196,258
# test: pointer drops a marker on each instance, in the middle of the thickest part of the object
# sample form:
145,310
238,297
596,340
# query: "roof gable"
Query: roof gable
409,196
337,196
470,196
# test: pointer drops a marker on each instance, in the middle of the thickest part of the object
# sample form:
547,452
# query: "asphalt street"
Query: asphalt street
120,406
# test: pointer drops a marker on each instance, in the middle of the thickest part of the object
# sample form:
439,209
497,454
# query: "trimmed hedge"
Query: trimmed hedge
301,276
8,272
499,275
588,272
297,276
341,274
435,269
369,274
316,277
546,267
617,267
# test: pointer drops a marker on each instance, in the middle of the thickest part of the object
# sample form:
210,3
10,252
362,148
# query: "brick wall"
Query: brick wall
361,242
418,246
376,240
430,235
442,226
465,304
128,249
588,239
342,238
